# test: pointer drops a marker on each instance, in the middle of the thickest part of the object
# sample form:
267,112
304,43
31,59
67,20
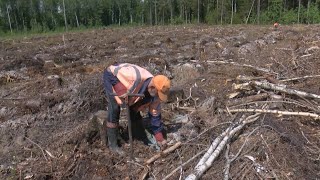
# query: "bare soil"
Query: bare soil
50,86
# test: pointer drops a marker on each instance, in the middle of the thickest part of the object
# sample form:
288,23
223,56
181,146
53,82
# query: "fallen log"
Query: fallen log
271,86
165,152
316,116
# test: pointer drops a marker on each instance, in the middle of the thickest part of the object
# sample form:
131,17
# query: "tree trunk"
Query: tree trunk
155,13
221,15
9,18
162,16
52,19
23,23
258,11
119,14
171,12
131,16
250,11
308,11
75,14
198,11
150,13
64,14
232,10
299,8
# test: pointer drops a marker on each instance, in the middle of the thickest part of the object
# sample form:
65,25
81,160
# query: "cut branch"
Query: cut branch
241,65
316,116
271,86
206,162
182,165
166,151
299,78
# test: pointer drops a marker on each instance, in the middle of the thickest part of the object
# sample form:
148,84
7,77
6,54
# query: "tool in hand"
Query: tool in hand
126,101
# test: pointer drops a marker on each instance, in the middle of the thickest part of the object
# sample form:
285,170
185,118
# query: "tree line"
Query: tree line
51,15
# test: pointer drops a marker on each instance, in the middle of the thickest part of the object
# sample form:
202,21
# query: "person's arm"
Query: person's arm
155,118
109,80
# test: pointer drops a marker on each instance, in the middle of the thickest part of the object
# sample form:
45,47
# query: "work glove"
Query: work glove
160,140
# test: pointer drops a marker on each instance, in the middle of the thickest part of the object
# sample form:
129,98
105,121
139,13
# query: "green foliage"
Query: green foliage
212,17
237,19
273,13
178,20
313,15
289,17
39,16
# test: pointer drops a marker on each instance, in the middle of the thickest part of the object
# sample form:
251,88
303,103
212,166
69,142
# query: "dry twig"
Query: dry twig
230,160
166,151
44,155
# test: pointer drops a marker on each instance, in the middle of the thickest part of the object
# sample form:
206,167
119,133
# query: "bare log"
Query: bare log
316,116
271,86
166,151
248,99
299,78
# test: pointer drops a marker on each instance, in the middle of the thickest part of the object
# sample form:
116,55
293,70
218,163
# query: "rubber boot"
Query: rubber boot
113,141
103,134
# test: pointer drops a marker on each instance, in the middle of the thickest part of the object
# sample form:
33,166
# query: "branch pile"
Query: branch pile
258,95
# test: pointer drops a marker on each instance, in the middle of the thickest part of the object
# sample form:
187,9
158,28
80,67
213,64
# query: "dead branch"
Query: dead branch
241,65
44,155
264,141
206,130
219,145
182,165
248,99
271,86
165,152
299,78
248,78
230,160
243,86
316,116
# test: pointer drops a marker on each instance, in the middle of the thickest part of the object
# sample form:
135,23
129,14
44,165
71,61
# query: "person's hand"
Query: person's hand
163,145
160,140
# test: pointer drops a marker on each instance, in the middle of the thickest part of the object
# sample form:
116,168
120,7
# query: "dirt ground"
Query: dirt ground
50,86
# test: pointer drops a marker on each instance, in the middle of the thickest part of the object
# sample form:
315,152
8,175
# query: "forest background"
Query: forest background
38,16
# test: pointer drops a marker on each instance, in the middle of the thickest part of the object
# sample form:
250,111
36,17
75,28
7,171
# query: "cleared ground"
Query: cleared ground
51,85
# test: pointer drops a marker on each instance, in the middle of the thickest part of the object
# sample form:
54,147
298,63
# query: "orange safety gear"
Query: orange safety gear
132,77
162,84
